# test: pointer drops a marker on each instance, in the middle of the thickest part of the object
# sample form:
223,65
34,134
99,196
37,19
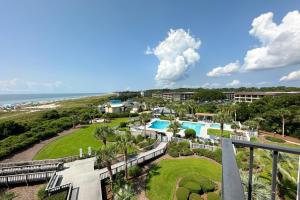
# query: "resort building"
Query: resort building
174,96
114,106
249,97
229,95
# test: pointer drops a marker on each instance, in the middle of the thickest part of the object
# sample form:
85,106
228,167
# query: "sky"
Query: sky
62,46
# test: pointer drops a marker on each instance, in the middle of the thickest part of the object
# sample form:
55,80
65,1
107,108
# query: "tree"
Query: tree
259,121
174,127
124,143
283,113
102,132
234,126
190,133
106,155
191,106
222,117
144,118
234,108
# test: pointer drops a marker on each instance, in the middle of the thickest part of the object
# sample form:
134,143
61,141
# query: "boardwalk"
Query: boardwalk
86,180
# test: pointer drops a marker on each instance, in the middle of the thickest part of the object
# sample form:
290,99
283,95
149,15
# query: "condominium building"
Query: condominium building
174,96
249,97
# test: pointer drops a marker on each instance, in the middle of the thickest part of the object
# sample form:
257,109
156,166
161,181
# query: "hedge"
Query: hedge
195,196
213,196
274,139
193,187
182,193
207,185
215,155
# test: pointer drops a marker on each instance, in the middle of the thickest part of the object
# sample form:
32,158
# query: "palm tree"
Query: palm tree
259,121
106,155
222,117
123,144
283,113
252,124
192,106
233,108
74,119
174,127
234,126
102,132
144,118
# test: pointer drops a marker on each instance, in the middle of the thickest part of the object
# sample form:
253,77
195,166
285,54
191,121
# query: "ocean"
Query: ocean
13,99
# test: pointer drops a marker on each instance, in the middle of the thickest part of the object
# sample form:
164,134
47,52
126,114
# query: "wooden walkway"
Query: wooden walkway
25,178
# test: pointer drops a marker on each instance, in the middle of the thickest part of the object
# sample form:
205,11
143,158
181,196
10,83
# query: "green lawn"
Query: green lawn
69,145
161,183
217,132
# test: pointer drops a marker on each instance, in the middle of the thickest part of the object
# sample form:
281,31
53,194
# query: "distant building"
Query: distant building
128,93
229,95
174,96
114,106
249,97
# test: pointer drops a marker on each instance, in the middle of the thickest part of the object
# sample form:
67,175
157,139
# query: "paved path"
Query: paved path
29,153
82,175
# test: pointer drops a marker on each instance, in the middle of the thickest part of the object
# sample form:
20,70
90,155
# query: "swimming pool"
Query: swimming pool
215,125
163,124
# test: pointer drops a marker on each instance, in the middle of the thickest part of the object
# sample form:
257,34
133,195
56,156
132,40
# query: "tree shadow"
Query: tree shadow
153,171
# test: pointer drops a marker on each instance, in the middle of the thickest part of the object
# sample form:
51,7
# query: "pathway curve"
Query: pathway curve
28,154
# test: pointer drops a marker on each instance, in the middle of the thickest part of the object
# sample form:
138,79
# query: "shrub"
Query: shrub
254,139
213,196
193,187
139,138
123,124
187,179
173,152
186,152
179,149
134,171
274,139
189,133
182,193
206,184
195,196
215,155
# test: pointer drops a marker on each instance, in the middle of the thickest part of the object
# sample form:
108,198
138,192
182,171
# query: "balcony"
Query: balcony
232,188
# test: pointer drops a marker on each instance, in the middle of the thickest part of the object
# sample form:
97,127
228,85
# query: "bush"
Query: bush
173,152
138,139
193,187
213,196
123,124
182,193
120,115
189,133
179,149
253,139
274,139
42,194
195,196
215,155
207,185
134,171
186,152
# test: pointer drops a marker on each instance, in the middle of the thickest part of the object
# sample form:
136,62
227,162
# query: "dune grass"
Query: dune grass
161,180
69,145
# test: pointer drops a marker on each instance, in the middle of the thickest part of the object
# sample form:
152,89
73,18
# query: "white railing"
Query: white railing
203,146
237,137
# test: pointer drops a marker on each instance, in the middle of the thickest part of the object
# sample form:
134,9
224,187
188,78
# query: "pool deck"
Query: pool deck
203,131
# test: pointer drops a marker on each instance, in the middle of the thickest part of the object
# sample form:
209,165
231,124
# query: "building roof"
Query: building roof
267,93
205,114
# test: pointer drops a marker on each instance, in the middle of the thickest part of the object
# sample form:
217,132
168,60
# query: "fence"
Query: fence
30,169
177,139
133,161
25,178
237,137
53,188
203,146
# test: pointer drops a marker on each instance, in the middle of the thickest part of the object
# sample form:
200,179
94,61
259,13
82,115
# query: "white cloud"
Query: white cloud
280,43
18,85
176,54
234,83
293,76
227,70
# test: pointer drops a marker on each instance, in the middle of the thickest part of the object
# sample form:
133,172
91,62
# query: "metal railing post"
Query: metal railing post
274,174
298,181
250,174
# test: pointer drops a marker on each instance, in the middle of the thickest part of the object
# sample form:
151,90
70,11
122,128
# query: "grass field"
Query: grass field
69,145
217,132
161,183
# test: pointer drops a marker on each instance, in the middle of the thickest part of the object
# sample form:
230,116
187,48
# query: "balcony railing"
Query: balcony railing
232,188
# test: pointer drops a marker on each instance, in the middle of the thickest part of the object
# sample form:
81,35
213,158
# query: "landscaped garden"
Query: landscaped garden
69,145
185,178
217,132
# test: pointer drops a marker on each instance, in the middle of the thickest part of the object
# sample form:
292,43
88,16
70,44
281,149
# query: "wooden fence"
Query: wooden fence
25,178
133,161
30,169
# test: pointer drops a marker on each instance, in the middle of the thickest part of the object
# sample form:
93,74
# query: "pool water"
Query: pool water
215,125
161,125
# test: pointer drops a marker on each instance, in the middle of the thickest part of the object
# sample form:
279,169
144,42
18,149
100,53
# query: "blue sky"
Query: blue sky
99,46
